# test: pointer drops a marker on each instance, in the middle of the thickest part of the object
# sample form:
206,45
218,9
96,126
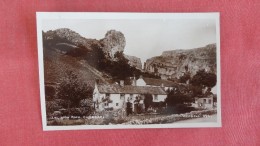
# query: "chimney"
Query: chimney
162,85
122,83
134,81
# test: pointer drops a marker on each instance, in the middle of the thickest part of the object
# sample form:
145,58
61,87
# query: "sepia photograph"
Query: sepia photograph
129,70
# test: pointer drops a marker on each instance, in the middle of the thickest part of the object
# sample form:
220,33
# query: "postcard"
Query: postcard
129,70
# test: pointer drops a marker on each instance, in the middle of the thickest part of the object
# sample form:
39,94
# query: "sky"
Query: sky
145,38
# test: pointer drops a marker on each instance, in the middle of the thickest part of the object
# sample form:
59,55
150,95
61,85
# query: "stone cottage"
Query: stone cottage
206,102
116,96
151,82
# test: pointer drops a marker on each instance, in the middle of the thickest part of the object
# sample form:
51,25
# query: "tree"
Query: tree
49,92
185,78
137,106
96,57
176,97
148,101
52,106
196,90
202,80
129,109
73,91
205,79
179,102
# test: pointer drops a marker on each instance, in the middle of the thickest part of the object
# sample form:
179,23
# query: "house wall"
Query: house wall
96,94
166,88
204,103
129,98
140,82
116,98
116,102
160,98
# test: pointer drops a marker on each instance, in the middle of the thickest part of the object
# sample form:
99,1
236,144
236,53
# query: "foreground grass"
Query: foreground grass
163,119
132,120
65,122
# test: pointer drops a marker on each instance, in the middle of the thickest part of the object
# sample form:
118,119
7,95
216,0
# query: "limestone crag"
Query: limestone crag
71,43
173,63
134,61
113,42
67,35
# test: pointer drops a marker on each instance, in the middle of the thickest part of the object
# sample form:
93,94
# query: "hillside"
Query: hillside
173,63
63,35
56,65
91,59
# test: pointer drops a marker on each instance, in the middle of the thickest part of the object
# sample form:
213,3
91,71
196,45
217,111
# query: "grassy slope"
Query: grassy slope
56,64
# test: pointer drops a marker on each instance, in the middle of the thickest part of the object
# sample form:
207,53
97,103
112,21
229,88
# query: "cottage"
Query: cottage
206,102
165,84
117,96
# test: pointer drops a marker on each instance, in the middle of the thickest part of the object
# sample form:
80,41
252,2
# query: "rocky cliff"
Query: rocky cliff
72,43
134,61
173,63
65,35
113,42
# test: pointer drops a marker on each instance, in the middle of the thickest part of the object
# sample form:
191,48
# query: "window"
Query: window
107,95
131,96
155,97
204,100
209,101
117,104
122,96
106,104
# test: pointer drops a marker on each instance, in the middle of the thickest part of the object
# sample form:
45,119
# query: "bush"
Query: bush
57,114
177,109
65,122
75,112
52,106
83,111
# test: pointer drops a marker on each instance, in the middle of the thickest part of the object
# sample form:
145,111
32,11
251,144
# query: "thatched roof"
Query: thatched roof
159,82
128,89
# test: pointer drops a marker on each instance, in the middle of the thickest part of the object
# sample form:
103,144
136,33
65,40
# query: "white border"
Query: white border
93,15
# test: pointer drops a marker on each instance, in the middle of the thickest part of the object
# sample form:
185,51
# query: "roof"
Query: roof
159,82
206,96
128,89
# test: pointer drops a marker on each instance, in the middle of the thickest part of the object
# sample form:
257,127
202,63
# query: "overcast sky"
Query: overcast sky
145,38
